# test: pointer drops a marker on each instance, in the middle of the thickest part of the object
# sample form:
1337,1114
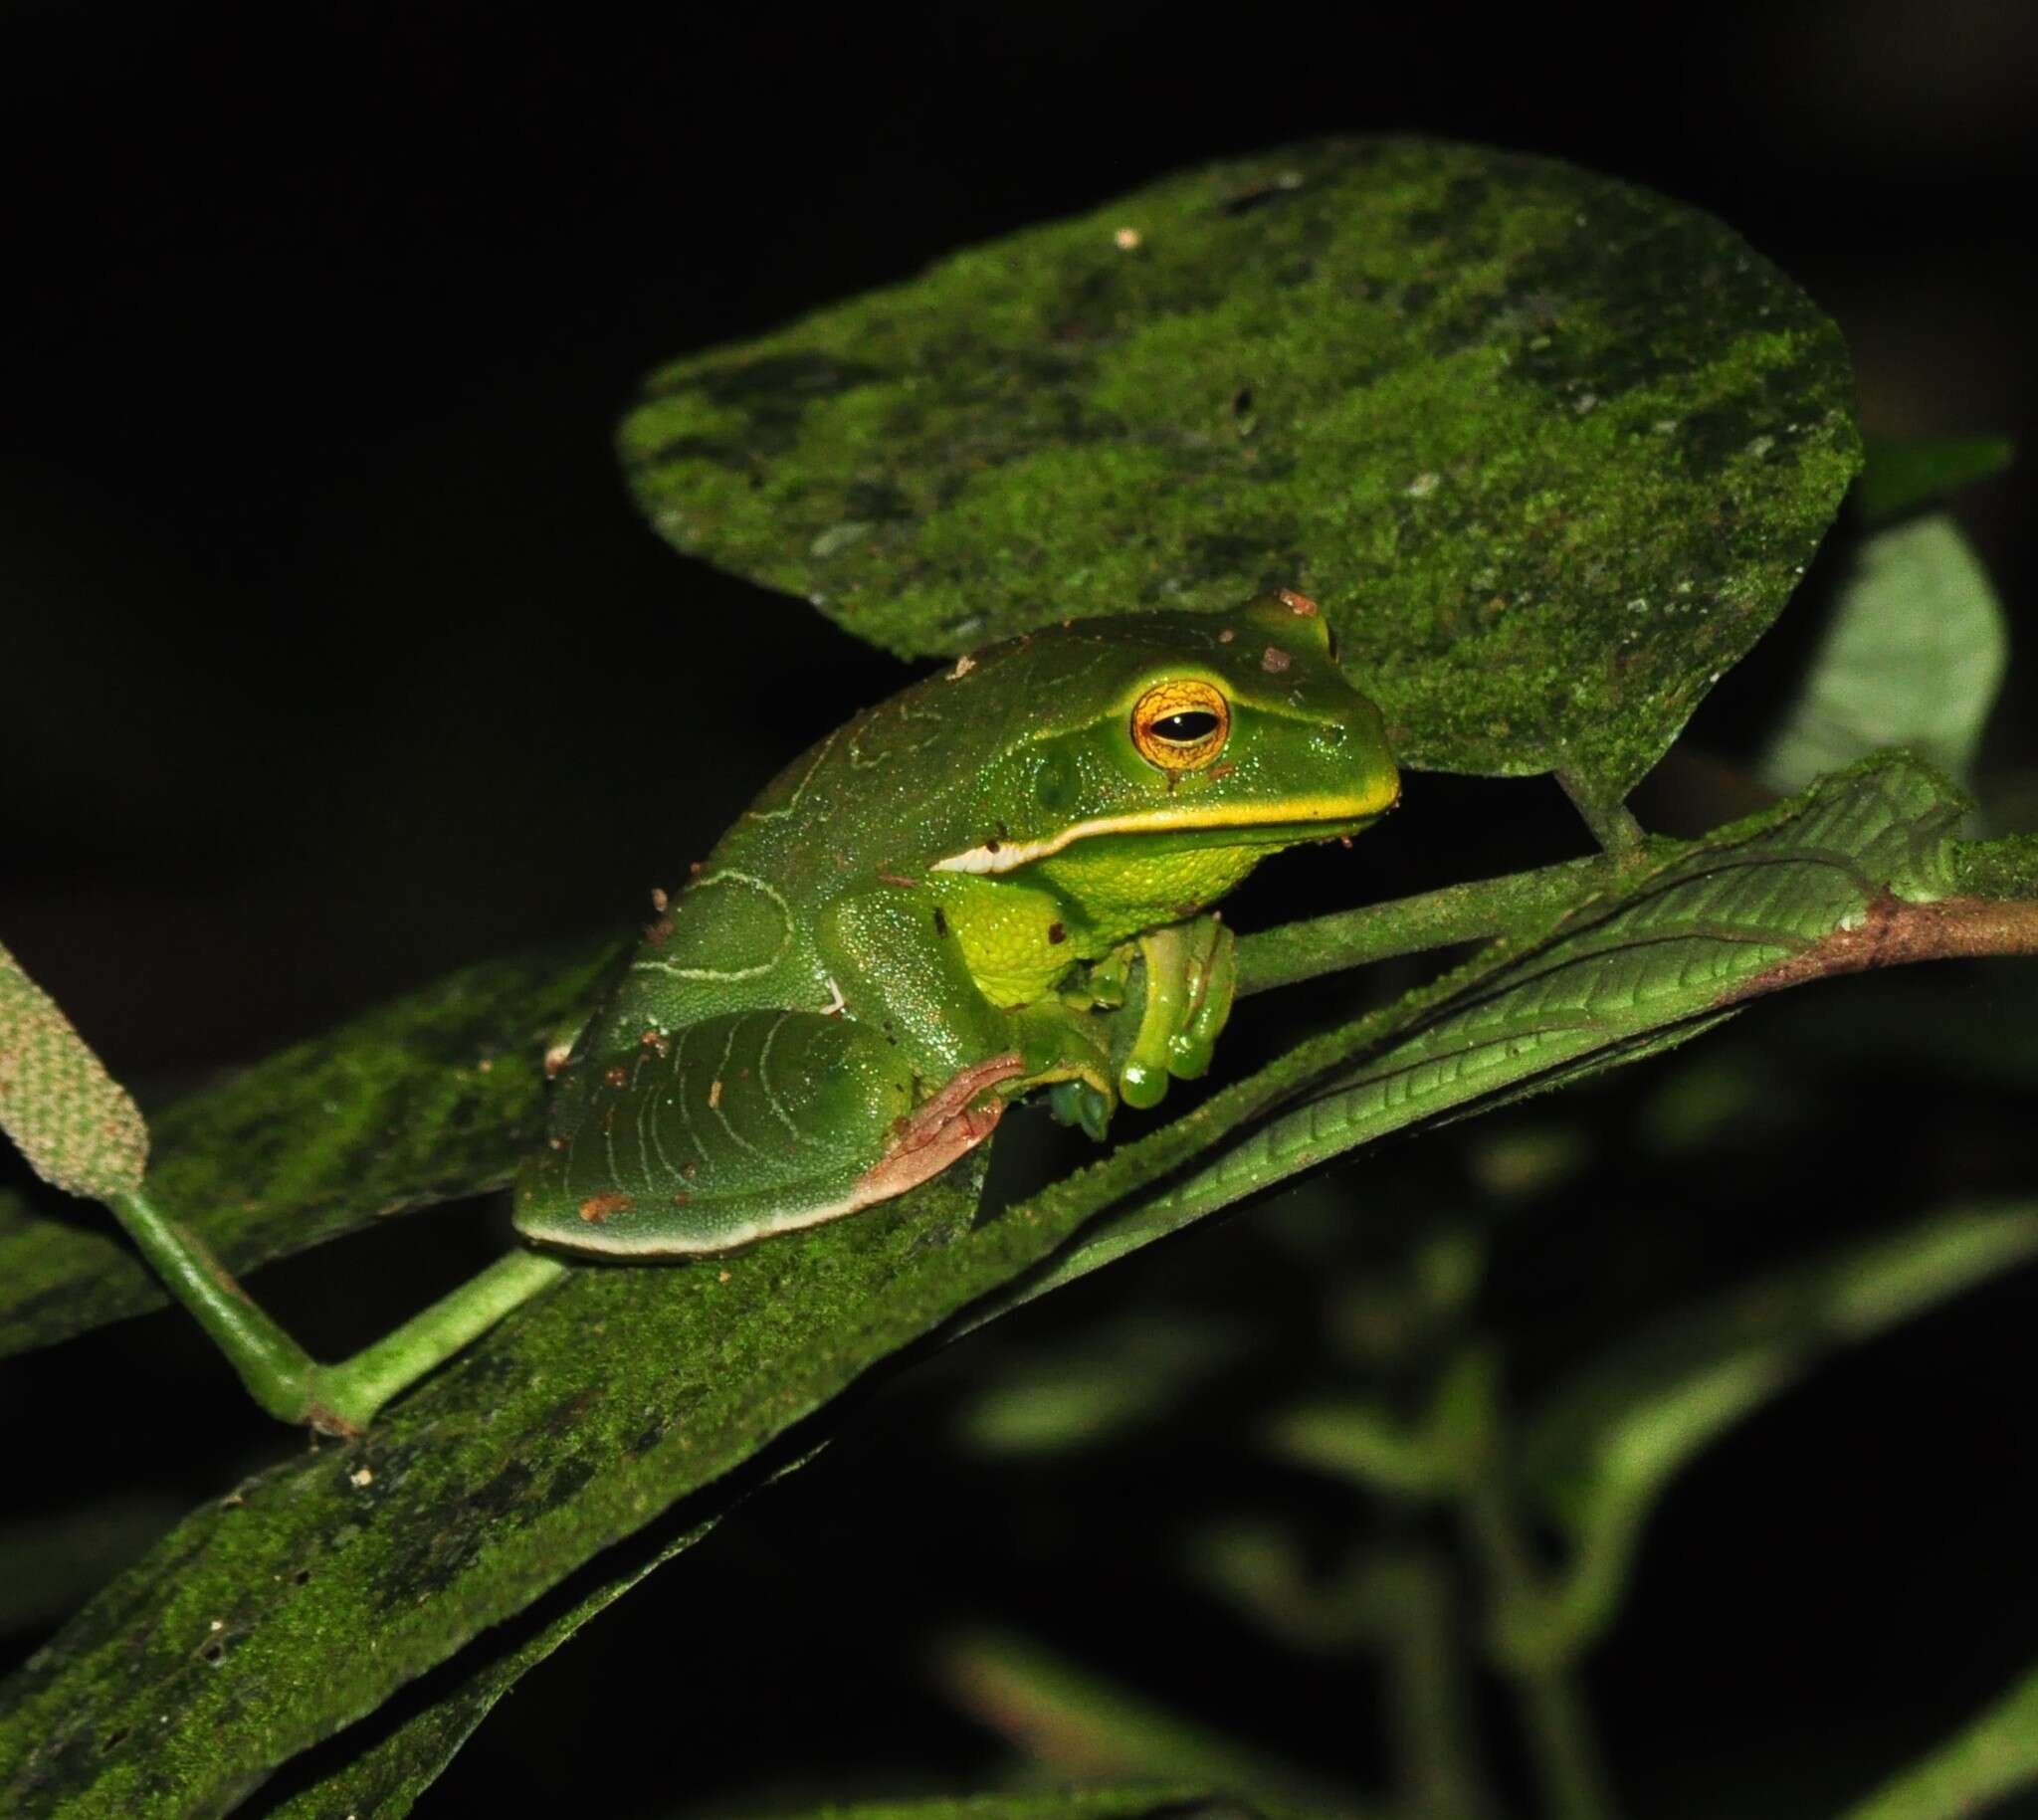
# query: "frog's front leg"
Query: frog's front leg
1188,975
1191,981
896,964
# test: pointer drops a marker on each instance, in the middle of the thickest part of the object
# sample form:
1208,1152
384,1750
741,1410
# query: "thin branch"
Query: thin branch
1442,919
1613,825
1893,933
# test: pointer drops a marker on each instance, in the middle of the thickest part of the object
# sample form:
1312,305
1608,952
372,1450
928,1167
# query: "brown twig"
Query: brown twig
1894,933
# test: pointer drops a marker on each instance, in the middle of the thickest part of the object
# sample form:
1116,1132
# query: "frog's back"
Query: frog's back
871,806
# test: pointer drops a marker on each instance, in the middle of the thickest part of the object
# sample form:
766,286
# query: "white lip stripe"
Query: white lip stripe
1010,854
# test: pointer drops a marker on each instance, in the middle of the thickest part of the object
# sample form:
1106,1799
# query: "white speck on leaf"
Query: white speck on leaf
839,537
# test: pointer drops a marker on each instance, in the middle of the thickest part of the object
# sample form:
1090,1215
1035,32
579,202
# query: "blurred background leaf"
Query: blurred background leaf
1074,1723
1995,1756
1600,1452
1914,656
1898,477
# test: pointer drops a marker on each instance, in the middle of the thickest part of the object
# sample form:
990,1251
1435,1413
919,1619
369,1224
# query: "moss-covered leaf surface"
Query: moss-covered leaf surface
429,1098
623,1390
1550,450
583,1417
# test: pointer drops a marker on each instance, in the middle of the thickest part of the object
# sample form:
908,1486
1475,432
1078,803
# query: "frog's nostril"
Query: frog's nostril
1331,735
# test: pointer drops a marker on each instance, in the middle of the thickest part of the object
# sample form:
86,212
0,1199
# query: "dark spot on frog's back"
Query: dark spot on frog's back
940,921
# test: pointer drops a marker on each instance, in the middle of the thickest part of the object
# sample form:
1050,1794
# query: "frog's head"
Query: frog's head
1169,751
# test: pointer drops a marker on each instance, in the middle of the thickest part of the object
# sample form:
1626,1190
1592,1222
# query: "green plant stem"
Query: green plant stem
1613,825
1438,1771
359,1387
1999,871
1555,1714
276,1370
279,1373
1407,925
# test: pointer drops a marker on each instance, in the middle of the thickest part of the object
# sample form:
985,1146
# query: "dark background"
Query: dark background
325,610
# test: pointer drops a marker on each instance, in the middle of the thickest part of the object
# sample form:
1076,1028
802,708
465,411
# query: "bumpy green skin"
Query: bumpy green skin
938,908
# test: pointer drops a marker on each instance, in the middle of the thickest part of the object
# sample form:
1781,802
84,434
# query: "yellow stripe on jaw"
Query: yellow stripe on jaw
1006,856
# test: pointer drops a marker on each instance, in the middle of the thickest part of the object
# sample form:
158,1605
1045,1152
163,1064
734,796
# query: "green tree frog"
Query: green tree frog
942,907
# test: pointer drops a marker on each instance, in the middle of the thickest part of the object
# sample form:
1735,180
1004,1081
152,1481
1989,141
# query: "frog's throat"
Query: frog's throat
1327,812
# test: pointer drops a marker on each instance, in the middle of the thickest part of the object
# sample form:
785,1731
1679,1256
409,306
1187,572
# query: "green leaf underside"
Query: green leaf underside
624,1389
425,1100
1900,477
1550,449
1914,656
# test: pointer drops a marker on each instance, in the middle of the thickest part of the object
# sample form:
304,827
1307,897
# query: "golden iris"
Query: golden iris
1181,726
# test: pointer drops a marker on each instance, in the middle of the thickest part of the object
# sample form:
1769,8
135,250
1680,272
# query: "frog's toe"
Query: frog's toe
1077,1102
1142,1082
1188,1055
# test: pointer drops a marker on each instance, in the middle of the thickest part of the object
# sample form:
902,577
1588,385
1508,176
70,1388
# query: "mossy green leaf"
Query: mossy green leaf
386,1775
429,1098
620,1391
570,1426
1550,450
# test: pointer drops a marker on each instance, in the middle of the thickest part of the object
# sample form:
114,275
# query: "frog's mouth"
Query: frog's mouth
1277,822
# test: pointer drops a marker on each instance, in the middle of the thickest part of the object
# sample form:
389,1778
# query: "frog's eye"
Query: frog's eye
1181,726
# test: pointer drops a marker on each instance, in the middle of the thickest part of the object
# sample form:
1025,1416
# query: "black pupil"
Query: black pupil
1186,729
